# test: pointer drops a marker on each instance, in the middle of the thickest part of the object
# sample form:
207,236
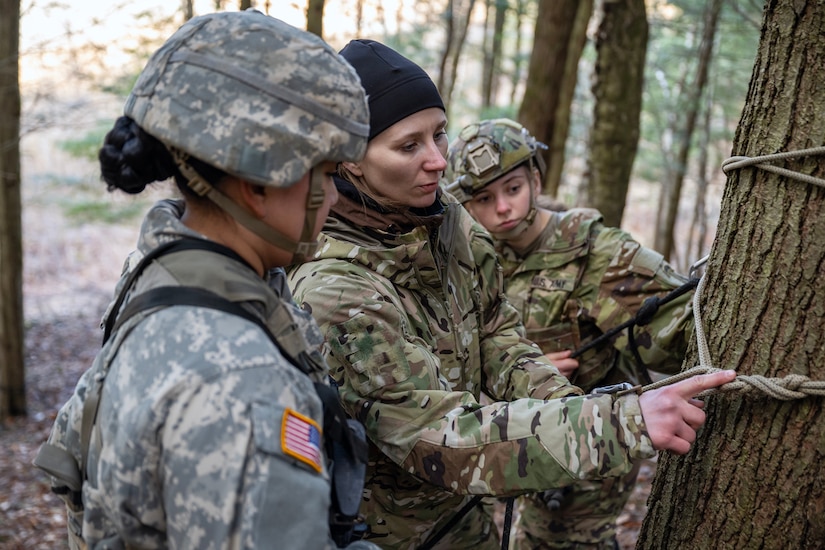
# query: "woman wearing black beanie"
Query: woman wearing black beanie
432,358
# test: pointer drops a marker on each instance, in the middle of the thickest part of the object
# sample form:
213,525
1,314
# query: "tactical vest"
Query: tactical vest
553,290
64,456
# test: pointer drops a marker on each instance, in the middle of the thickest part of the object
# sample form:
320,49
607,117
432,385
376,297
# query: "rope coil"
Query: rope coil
787,388
763,162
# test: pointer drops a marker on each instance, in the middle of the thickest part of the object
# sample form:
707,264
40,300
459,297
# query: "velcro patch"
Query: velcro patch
301,439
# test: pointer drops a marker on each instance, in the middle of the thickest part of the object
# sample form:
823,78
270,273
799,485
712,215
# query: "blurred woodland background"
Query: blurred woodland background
638,100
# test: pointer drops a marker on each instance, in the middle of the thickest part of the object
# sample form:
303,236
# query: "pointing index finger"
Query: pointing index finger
697,384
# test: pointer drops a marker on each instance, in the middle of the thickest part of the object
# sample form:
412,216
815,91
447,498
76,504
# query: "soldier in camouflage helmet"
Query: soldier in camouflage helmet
208,432
432,358
571,279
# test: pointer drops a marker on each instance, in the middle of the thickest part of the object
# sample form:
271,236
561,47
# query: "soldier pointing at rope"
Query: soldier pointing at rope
430,355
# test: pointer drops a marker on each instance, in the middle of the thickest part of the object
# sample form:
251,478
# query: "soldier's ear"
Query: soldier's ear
252,196
354,168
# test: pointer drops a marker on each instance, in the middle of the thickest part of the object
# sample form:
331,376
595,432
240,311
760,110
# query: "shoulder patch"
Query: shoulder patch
301,438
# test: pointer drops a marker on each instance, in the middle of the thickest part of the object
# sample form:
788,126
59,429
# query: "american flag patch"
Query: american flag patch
301,438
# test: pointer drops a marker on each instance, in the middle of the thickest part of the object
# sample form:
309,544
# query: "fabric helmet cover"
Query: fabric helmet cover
253,96
259,99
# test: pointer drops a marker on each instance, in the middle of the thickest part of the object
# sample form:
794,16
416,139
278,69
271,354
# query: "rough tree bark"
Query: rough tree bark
12,371
558,42
756,476
618,80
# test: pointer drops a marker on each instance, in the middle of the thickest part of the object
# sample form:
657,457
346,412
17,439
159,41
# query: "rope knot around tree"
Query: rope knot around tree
786,388
790,387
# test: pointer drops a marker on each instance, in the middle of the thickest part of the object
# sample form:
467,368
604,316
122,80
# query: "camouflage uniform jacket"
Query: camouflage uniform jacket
579,280
187,450
418,329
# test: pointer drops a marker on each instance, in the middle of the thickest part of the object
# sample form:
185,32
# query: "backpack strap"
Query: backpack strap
335,420
186,243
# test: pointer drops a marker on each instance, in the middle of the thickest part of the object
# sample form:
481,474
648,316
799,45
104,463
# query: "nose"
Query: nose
436,162
502,204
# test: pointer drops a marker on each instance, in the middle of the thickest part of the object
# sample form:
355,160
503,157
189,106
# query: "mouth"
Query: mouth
509,224
429,187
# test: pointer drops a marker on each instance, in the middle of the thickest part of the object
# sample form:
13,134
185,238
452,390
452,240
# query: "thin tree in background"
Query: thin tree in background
492,50
359,17
245,5
672,186
188,9
559,39
456,17
12,369
315,17
520,11
754,478
699,222
618,80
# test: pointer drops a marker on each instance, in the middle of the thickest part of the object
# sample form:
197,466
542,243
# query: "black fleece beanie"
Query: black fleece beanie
396,87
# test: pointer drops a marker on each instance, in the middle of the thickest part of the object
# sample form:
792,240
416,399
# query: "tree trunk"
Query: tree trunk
188,10
492,52
754,478
671,193
459,16
12,371
244,5
315,17
515,80
359,17
697,232
558,43
621,44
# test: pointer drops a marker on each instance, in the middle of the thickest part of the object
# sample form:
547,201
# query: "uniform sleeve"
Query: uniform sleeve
514,367
223,449
240,483
390,382
632,273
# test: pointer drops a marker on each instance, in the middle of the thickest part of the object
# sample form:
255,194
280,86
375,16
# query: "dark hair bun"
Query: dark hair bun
130,158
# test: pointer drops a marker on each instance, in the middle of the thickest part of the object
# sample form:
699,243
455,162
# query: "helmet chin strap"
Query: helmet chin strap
301,250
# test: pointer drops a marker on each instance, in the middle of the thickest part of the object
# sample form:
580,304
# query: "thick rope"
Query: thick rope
788,388
735,163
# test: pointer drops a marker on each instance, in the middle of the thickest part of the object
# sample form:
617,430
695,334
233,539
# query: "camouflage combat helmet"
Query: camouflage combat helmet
487,150
257,98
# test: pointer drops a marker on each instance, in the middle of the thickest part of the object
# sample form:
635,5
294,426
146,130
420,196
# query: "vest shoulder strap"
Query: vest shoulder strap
178,245
335,420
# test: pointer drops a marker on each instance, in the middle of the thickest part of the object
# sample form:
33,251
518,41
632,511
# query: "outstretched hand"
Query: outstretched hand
562,361
673,415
